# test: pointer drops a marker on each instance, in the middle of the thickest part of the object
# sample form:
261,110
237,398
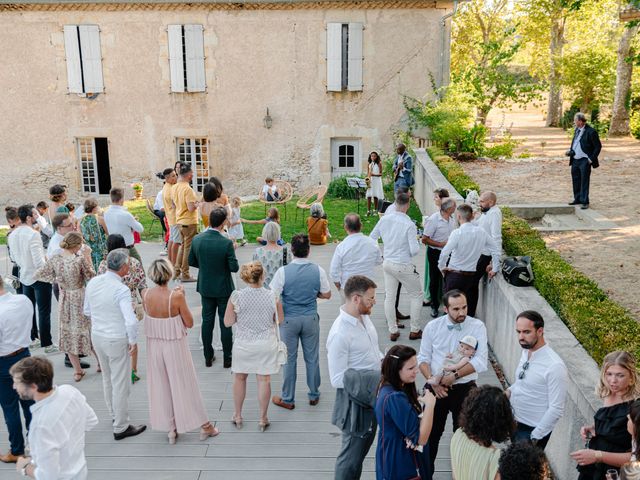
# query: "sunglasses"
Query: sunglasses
524,370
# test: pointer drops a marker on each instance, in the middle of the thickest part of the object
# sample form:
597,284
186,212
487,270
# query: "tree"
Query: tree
624,70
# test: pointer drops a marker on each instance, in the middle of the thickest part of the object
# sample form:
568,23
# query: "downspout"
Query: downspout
443,28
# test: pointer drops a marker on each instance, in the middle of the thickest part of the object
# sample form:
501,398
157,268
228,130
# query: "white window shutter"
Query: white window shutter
334,57
91,58
194,48
72,53
355,57
176,64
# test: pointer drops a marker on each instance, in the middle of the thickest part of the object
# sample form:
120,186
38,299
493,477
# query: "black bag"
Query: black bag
517,271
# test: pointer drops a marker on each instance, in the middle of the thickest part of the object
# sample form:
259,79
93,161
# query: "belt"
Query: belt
13,354
468,274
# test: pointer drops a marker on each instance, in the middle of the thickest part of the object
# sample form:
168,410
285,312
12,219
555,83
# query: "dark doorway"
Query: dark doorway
102,165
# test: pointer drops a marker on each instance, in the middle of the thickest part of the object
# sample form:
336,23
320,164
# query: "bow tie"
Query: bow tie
454,326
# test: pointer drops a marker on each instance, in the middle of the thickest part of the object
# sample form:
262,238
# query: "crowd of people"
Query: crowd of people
93,268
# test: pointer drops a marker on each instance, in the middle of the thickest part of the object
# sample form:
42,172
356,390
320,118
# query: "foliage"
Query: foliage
503,149
137,186
453,171
338,187
634,123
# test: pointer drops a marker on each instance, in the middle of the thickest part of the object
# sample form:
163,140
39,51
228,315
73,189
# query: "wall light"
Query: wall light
267,120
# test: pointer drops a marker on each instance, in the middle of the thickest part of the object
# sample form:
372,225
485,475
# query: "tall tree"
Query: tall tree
624,70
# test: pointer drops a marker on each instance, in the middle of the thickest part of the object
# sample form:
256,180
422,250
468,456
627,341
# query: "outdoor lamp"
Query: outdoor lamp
267,120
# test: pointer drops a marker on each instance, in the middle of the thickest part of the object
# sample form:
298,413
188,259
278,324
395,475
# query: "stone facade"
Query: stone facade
254,59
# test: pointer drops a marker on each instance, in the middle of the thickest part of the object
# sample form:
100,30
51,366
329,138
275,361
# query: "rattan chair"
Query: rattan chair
285,192
309,197
154,218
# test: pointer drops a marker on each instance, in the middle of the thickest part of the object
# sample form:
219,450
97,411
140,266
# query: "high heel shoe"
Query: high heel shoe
173,436
237,421
262,426
209,431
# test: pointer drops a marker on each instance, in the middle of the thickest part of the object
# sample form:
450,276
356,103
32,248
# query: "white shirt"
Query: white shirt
465,245
266,189
45,227
54,245
158,204
351,344
119,220
108,302
56,434
277,283
16,314
438,229
577,148
25,245
400,237
491,222
355,255
438,341
393,208
538,398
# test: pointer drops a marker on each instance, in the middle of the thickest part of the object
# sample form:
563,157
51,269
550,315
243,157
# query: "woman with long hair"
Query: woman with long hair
94,230
404,419
485,420
608,442
210,201
374,174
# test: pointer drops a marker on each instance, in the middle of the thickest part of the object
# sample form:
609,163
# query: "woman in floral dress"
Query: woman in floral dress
94,231
136,280
71,270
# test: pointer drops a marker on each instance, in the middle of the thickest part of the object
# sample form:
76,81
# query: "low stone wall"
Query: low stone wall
499,304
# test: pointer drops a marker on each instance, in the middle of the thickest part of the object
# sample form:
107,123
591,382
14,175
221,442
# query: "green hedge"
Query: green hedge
453,171
599,324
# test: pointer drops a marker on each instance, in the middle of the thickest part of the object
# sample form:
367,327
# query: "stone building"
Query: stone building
100,93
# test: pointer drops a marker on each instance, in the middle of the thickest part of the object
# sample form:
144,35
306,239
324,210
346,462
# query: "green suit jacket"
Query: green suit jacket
214,256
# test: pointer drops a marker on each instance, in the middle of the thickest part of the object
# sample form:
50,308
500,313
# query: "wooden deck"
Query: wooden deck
299,444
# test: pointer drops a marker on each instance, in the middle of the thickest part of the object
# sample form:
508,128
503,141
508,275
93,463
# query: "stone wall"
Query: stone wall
499,304
254,60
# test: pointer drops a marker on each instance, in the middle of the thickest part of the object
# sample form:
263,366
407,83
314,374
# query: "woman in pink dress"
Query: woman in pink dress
175,401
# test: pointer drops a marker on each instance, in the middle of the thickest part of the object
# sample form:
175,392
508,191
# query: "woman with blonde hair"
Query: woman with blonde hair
71,270
272,256
175,401
608,442
318,225
256,313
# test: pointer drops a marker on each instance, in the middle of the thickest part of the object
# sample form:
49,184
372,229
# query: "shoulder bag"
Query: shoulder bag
415,462
284,256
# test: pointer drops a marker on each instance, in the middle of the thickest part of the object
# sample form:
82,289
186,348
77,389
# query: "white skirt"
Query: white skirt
257,356
376,188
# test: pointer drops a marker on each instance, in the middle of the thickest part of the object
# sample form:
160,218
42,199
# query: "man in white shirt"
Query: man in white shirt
299,285
16,312
62,224
353,344
465,245
400,237
27,252
158,210
61,416
120,221
490,220
436,234
114,332
441,337
355,255
539,392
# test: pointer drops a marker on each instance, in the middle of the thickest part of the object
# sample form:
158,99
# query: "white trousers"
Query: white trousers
113,354
406,274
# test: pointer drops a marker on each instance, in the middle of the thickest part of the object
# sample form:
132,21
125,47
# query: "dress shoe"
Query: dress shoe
574,203
399,325
415,335
313,403
584,207
131,431
9,458
400,316
434,313
426,304
226,363
394,336
188,279
209,361
279,402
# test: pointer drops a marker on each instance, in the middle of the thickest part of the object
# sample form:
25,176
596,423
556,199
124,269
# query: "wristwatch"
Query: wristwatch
455,375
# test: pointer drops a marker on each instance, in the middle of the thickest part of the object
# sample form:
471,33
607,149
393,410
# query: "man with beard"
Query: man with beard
354,367
538,394
441,338
490,220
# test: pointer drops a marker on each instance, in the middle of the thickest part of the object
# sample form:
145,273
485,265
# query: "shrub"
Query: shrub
338,187
634,123
453,171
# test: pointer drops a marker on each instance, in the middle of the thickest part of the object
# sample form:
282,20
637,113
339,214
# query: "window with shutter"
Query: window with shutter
186,58
176,59
334,57
72,54
195,152
344,57
84,58
354,55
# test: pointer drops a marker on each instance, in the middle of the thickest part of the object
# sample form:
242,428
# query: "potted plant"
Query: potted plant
138,188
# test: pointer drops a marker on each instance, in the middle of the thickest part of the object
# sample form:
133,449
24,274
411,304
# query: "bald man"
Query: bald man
490,220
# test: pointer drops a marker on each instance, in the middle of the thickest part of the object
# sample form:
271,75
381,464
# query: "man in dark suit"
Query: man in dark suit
583,155
214,256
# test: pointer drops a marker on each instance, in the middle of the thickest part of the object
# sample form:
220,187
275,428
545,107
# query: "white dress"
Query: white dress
236,232
255,344
376,183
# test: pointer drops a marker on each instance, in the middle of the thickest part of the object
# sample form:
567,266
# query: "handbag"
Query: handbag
415,462
284,256
9,278
138,307
281,357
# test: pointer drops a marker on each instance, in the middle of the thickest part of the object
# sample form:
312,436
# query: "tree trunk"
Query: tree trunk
620,115
554,105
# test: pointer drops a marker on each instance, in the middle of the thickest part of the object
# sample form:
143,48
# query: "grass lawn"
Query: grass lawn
335,208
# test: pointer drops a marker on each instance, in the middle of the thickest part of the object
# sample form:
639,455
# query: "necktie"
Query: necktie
455,326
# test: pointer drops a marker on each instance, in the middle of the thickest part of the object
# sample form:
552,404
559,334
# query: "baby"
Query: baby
455,361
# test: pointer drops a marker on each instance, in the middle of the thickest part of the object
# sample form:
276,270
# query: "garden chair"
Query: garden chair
285,190
154,218
309,197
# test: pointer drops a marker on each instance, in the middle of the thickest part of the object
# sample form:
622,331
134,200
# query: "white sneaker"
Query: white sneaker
163,253
35,344
53,348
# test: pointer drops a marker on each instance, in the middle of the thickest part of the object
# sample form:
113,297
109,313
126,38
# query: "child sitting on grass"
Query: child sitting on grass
272,216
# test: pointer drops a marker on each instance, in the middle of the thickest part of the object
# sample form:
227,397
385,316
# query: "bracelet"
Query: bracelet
598,455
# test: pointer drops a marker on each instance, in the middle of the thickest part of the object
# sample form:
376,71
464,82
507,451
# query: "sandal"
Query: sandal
237,421
262,426
78,376
173,435
209,431
134,377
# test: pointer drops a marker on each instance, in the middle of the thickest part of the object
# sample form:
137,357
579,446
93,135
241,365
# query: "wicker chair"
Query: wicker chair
285,190
154,218
309,197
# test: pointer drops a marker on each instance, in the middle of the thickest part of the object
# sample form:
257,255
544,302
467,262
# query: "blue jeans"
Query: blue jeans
523,434
307,330
40,295
11,403
580,176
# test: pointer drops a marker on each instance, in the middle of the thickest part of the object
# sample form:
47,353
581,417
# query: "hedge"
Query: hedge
453,171
599,324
